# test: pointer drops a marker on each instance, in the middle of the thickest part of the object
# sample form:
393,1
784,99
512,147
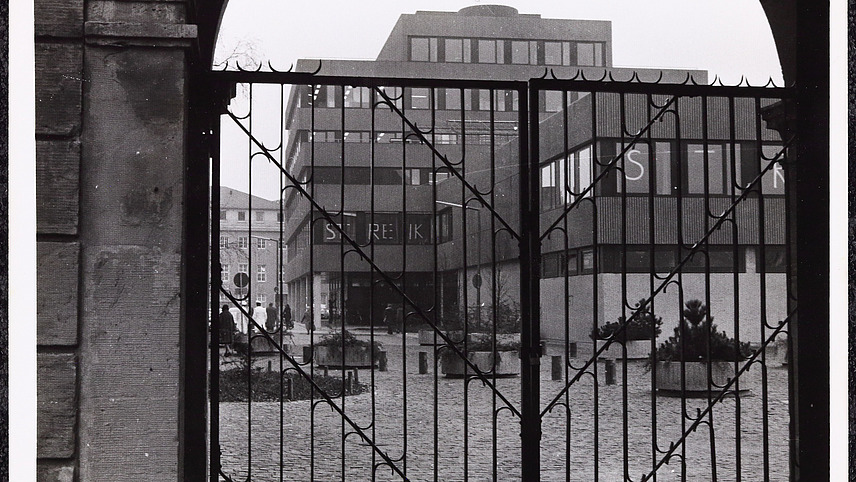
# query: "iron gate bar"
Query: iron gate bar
375,268
677,270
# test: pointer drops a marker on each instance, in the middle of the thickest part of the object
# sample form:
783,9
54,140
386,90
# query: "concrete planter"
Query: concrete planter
355,357
503,364
262,345
636,350
426,337
668,380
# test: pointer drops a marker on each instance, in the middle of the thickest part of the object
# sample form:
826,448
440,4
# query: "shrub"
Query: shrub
268,386
344,338
700,340
478,344
644,326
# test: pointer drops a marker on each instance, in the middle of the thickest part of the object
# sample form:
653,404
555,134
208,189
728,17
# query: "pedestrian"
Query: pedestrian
307,321
260,315
226,327
389,318
286,318
271,318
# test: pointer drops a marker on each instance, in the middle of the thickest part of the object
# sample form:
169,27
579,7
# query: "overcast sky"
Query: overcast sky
728,38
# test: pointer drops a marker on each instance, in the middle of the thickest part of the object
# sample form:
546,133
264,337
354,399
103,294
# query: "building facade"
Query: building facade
383,185
250,250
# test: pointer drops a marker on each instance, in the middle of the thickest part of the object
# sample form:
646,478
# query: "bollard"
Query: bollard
423,362
326,371
610,372
268,368
289,389
307,354
381,361
572,350
557,367
349,386
356,376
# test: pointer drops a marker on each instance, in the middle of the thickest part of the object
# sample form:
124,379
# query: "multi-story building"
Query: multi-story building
249,241
387,191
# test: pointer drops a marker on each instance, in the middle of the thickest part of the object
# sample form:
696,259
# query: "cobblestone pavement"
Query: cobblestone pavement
405,423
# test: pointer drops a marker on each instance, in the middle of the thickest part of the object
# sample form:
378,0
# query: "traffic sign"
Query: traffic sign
241,280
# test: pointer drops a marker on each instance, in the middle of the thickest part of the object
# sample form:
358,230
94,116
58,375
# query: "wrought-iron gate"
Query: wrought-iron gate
524,236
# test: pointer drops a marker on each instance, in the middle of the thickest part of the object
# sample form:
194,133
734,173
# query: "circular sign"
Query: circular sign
477,281
241,280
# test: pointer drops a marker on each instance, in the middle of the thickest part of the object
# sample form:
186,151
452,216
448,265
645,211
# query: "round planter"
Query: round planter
262,346
504,364
355,357
695,382
636,350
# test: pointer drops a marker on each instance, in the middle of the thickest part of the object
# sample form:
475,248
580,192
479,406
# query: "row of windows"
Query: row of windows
243,242
242,215
387,137
660,168
506,51
261,272
423,98
638,259
382,176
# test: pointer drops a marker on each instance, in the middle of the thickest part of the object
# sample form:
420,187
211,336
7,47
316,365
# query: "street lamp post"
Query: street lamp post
477,279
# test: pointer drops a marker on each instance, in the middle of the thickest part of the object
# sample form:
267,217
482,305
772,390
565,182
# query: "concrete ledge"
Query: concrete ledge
140,34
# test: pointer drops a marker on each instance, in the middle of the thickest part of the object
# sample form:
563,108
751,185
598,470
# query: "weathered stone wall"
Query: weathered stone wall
111,124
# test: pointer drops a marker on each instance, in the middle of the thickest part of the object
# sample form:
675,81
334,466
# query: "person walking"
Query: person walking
307,321
389,318
272,318
286,318
226,327
260,315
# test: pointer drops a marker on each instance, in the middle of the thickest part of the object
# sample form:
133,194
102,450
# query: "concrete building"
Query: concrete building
386,186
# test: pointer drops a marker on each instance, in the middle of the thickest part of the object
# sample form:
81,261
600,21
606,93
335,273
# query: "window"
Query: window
224,242
420,98
590,54
261,298
484,99
260,215
552,265
423,49
718,171
243,268
224,273
519,52
261,274
261,243
774,259
222,215
357,136
444,225
487,51
572,264
634,164
357,97
243,242
553,53
580,172
454,50
548,186
453,99
242,215
587,256
719,259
